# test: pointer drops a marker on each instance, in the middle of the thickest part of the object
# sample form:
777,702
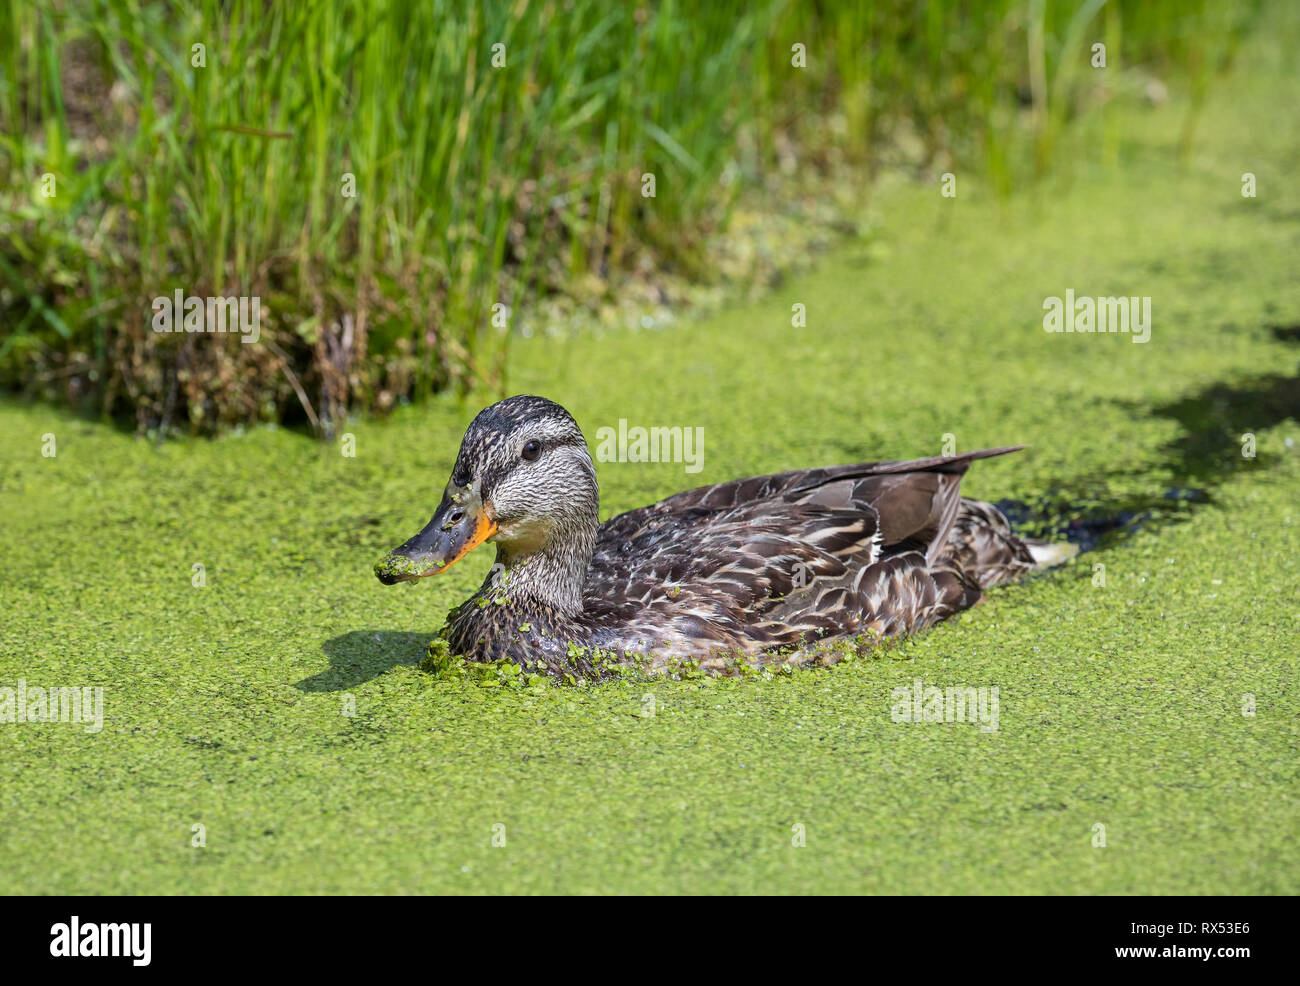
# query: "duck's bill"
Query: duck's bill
456,530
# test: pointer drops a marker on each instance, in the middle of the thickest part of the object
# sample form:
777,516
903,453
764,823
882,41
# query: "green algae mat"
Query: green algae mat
257,720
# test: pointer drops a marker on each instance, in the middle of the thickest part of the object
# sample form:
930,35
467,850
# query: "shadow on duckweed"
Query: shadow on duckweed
1215,420
360,655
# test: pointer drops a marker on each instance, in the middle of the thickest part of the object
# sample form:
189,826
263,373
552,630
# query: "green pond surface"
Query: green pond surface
271,731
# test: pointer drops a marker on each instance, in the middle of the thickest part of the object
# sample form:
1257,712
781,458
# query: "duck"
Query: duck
785,569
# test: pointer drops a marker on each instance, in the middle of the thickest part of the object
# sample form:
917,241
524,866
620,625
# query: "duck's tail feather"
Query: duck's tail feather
935,463
1048,555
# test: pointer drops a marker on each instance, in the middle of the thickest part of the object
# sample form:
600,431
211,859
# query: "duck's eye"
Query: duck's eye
532,450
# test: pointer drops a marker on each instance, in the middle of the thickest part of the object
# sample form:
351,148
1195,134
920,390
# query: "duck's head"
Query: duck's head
524,481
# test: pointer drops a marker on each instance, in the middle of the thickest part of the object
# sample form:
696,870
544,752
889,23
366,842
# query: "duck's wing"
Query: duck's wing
704,576
729,561
915,500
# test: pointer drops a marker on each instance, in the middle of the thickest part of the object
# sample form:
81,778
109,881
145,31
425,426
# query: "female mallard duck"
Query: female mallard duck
772,567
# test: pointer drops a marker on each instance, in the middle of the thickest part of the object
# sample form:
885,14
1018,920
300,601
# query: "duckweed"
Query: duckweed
1153,695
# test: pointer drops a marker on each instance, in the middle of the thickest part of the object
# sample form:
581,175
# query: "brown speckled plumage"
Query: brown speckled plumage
768,567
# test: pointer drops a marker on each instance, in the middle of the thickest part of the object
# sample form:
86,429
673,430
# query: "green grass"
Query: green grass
483,175
1119,704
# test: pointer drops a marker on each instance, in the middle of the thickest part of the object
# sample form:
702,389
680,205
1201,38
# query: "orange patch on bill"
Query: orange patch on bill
483,529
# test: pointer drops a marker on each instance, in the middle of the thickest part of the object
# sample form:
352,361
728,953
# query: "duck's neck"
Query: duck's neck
551,577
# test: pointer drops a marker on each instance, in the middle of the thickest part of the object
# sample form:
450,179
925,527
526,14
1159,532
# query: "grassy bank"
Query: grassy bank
1120,704
382,174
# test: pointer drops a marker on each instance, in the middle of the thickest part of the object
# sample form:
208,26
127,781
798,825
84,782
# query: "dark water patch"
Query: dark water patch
360,729
1099,521
201,743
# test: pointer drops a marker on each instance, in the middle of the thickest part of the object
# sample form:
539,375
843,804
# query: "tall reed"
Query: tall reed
499,152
